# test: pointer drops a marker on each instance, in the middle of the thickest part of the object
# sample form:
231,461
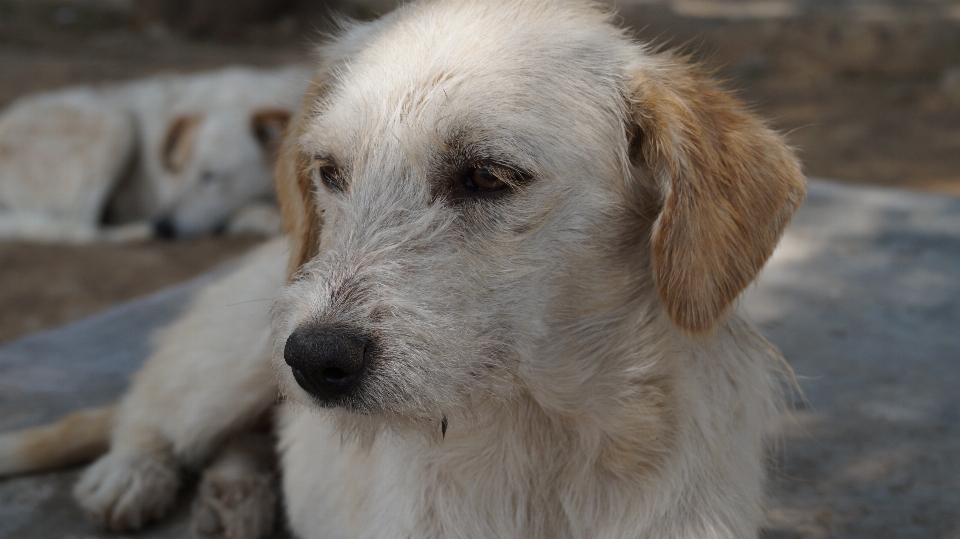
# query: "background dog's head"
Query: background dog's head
498,197
212,164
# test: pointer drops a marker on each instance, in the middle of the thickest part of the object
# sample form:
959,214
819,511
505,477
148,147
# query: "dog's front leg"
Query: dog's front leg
134,483
209,378
238,493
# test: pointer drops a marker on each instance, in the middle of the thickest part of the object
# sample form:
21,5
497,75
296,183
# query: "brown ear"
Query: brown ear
295,189
729,187
178,144
268,126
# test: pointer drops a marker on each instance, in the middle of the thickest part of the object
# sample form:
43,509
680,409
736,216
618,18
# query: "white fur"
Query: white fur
528,382
60,157
190,396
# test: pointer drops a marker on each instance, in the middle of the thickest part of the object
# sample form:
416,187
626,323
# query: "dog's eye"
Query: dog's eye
487,179
330,175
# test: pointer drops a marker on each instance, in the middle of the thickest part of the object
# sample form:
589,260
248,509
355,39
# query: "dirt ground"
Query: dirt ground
867,102
895,133
48,285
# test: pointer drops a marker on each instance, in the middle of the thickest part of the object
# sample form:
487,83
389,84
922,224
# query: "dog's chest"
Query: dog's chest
335,491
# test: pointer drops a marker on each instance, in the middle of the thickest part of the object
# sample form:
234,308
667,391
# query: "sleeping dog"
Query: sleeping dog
178,155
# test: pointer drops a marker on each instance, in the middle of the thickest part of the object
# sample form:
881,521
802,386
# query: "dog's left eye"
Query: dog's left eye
489,180
485,179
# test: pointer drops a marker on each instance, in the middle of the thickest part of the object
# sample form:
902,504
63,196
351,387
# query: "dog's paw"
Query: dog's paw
235,502
124,491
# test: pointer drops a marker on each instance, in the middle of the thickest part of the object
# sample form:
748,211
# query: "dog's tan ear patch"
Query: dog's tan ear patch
295,189
729,187
268,126
178,144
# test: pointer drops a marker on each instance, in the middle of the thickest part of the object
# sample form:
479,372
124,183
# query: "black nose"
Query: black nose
327,361
165,227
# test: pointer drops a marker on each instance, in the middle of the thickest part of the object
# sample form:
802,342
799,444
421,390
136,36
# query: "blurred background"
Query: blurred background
867,90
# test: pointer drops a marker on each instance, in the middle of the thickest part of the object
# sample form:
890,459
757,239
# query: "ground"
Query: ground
867,92
47,285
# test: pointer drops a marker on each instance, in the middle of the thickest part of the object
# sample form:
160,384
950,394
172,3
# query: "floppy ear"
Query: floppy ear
729,185
295,190
178,143
268,126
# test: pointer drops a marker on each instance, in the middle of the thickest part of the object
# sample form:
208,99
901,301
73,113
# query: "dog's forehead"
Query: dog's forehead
522,72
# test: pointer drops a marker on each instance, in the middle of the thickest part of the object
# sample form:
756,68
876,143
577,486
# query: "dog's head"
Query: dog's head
496,197
213,164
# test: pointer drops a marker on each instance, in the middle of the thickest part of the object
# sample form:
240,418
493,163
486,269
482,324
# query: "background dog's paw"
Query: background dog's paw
237,498
124,491
235,503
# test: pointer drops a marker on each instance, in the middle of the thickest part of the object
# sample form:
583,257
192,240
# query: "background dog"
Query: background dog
515,237
183,155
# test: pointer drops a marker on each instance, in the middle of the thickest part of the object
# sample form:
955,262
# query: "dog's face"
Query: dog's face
488,199
213,164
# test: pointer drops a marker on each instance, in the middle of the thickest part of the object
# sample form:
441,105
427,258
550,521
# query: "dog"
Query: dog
178,156
504,306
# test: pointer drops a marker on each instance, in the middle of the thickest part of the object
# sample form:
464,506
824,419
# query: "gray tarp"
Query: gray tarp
862,297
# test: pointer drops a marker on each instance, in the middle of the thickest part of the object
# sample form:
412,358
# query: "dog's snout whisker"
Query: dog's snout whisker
327,361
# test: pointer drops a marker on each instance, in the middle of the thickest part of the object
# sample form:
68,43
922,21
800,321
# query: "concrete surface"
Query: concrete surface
863,298
47,374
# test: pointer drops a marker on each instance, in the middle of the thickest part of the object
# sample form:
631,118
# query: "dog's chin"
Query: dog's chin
364,430
353,403
362,419
363,400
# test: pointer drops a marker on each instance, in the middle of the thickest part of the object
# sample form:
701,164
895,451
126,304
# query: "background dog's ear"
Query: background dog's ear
178,143
268,126
729,186
295,189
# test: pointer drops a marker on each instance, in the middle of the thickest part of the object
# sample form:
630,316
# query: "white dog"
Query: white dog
182,153
515,238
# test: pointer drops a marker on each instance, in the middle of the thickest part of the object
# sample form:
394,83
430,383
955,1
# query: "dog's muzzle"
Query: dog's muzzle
328,361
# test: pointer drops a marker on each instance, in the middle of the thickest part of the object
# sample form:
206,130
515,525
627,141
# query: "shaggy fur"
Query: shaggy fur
557,358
